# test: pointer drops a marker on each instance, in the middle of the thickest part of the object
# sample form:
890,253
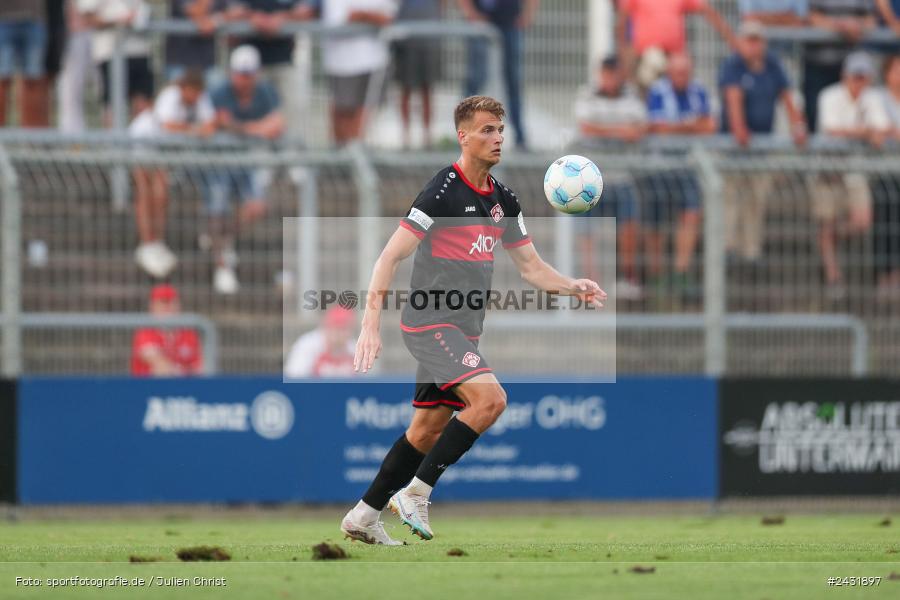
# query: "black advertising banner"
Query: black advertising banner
809,437
7,441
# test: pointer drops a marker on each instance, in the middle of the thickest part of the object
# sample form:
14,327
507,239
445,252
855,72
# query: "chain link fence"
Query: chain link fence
751,296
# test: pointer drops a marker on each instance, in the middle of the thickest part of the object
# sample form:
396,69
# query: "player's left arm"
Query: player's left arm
544,277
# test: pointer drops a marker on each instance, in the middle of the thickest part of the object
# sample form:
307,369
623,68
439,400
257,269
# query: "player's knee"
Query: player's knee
494,403
423,438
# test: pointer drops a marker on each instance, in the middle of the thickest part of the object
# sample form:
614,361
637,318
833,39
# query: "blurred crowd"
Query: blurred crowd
648,87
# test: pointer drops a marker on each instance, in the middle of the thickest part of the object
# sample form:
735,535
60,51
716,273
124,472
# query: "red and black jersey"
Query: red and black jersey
459,226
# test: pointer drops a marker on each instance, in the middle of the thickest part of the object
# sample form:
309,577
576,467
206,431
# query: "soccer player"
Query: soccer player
453,227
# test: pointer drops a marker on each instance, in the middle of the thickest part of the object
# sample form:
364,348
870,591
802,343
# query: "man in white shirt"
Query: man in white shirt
326,351
183,108
350,61
850,109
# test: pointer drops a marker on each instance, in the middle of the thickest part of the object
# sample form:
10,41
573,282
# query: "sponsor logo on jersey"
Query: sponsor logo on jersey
470,209
471,360
497,213
484,244
421,218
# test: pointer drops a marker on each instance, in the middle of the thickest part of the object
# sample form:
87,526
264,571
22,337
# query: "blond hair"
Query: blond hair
466,109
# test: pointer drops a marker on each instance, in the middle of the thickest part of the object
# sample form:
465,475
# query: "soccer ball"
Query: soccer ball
573,184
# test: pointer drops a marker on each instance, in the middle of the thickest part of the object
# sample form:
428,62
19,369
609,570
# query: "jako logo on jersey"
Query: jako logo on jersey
484,244
470,209
497,213
471,360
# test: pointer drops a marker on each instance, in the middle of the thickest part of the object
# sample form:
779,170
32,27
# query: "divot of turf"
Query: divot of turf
773,520
326,551
456,552
202,553
886,522
642,570
894,576
134,558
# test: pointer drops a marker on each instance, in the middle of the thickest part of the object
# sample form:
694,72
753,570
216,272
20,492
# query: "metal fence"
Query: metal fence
752,301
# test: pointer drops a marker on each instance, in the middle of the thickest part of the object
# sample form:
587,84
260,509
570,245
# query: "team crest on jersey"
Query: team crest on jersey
497,213
471,360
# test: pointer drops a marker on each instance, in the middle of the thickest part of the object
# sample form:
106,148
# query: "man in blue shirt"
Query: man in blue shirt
511,18
248,107
752,82
676,105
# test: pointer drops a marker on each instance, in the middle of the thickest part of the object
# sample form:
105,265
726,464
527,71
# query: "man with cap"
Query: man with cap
752,81
853,110
326,351
165,352
248,107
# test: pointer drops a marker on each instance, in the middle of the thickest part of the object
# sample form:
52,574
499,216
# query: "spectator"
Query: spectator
55,11
418,64
850,19
752,81
23,39
76,71
276,50
677,105
249,107
611,110
886,194
326,351
779,13
647,30
183,108
163,351
511,18
851,110
195,51
104,15
350,61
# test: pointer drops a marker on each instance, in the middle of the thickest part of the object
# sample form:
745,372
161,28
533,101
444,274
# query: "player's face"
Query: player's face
482,138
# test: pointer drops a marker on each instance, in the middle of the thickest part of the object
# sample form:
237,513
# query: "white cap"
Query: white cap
245,59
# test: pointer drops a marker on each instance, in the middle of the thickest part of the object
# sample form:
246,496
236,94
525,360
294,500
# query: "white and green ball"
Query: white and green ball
573,184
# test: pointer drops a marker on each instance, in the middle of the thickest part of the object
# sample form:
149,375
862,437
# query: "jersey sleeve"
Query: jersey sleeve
426,208
515,234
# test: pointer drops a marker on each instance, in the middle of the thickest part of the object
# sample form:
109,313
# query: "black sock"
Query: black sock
455,441
398,467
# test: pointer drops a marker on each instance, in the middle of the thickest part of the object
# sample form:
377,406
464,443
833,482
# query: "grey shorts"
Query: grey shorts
417,63
349,92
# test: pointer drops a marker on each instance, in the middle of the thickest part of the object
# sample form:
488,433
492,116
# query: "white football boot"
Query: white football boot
373,533
413,511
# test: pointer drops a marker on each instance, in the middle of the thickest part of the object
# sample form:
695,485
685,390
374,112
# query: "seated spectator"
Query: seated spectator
418,65
778,13
276,50
249,107
511,18
677,105
194,51
851,20
752,81
23,40
648,29
183,108
165,352
611,110
886,194
103,15
851,110
350,61
326,351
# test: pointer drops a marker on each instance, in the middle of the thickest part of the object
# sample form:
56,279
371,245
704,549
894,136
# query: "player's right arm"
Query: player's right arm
403,243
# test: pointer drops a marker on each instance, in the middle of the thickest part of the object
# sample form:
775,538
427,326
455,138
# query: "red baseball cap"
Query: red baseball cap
338,317
164,292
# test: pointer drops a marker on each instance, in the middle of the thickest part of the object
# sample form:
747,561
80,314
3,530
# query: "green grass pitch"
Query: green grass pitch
696,557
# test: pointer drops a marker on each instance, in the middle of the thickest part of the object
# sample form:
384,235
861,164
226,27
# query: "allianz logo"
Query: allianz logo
270,415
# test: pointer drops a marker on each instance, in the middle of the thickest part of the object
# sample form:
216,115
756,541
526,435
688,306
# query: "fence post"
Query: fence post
10,265
713,263
367,230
